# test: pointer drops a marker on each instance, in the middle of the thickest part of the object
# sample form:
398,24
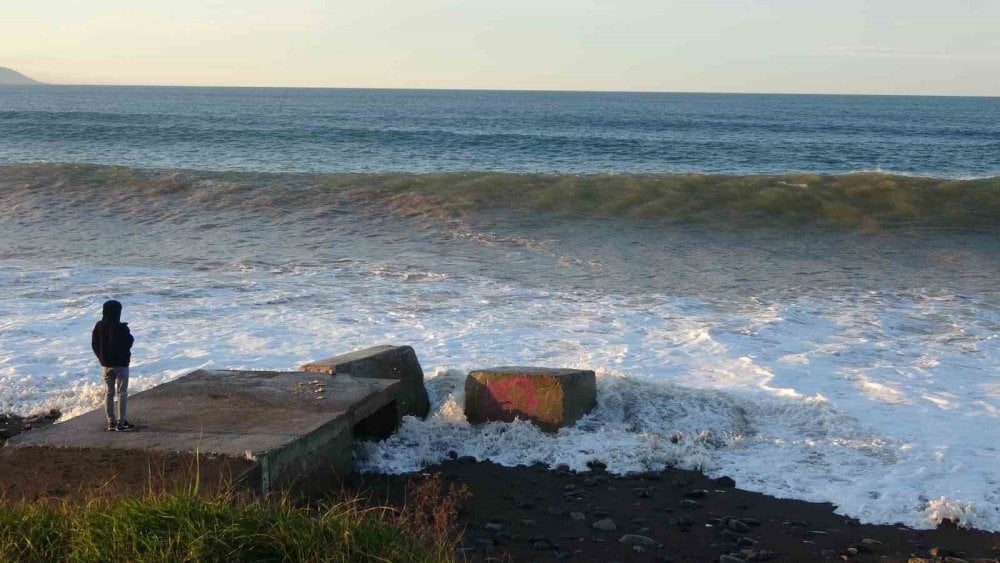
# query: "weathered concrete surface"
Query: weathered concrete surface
551,398
382,362
293,424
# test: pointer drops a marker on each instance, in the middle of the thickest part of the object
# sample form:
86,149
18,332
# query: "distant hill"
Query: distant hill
9,76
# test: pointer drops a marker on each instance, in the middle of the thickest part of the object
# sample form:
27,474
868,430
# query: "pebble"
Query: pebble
493,527
605,525
577,516
690,504
696,493
737,526
757,554
731,536
724,482
636,539
941,552
852,551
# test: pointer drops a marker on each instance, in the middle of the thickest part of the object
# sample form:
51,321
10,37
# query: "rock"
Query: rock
383,362
685,520
493,527
528,523
724,482
636,539
942,552
696,493
550,398
601,513
690,504
577,516
745,541
757,554
871,544
466,460
730,559
852,551
502,536
737,526
605,525
731,536
554,511
750,521
638,549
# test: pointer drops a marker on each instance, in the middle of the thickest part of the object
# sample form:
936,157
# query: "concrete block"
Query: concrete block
551,398
383,362
297,428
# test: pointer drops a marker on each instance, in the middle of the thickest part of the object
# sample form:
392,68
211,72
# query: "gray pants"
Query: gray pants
115,382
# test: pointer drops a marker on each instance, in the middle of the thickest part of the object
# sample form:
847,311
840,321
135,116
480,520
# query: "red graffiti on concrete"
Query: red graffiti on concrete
514,393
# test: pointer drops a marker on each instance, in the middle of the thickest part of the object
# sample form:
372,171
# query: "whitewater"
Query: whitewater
753,305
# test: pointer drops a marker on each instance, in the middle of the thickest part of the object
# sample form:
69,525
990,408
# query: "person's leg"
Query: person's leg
109,393
122,392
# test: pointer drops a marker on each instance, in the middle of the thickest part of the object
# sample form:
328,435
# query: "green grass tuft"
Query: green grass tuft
183,526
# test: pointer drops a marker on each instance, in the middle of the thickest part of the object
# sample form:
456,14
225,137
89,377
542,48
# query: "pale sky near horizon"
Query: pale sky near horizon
848,46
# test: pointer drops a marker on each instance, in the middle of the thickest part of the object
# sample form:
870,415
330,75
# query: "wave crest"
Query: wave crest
867,200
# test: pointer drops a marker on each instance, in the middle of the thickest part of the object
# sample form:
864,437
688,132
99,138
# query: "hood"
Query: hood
112,311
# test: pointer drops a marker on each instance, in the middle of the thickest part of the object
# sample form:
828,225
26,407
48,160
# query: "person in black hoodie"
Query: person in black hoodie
112,344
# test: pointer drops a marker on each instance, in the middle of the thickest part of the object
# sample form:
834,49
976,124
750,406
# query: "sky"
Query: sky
949,47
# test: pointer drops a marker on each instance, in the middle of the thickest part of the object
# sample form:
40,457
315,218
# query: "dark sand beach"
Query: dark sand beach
532,513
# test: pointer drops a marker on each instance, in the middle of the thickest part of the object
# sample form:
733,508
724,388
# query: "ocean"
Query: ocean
799,292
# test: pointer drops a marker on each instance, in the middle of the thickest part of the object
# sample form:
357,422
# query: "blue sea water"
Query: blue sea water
343,130
822,334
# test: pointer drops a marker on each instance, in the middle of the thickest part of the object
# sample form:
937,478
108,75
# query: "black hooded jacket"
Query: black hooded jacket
111,339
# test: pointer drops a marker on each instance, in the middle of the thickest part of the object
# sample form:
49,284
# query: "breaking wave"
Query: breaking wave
864,200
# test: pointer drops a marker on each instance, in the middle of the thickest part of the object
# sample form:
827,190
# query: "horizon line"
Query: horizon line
507,90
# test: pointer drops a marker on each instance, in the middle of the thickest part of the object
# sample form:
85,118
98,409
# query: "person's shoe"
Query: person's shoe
125,426
112,426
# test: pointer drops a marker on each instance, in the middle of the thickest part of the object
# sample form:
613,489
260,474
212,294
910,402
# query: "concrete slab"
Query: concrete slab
292,424
551,398
382,362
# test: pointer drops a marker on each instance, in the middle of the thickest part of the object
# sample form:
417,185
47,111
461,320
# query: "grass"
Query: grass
183,525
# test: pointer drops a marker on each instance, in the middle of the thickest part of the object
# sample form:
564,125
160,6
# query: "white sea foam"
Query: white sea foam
886,404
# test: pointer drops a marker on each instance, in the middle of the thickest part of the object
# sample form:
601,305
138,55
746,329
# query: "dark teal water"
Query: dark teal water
339,130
